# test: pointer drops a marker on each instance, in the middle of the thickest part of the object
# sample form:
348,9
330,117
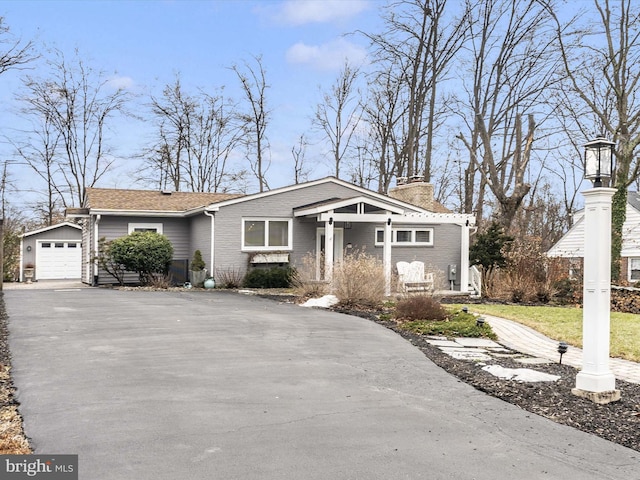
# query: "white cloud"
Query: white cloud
301,12
328,56
118,82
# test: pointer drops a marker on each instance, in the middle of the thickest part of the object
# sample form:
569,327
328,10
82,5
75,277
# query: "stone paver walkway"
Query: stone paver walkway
526,340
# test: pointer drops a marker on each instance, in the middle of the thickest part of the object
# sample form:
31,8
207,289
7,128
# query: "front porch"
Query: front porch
393,233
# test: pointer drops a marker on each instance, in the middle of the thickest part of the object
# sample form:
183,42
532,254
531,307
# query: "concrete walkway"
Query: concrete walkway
215,385
526,340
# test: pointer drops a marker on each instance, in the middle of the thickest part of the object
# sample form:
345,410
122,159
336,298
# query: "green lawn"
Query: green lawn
565,324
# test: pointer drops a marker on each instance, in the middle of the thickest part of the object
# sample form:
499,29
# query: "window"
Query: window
634,269
59,245
46,244
409,237
266,234
145,227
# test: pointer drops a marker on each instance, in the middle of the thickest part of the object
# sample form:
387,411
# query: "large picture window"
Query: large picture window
409,237
266,234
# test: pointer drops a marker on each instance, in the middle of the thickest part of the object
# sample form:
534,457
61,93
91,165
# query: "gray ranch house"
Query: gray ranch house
326,218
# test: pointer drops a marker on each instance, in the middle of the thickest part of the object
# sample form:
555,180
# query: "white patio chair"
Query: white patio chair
412,278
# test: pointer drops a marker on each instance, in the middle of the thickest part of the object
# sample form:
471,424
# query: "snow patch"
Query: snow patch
519,374
322,302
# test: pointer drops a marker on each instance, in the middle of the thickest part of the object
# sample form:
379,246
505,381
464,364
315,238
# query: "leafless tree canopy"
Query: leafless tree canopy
71,110
256,118
196,135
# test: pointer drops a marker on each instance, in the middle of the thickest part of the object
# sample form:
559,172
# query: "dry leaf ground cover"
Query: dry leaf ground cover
12,438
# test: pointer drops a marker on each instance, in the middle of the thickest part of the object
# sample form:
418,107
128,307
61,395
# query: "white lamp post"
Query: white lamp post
595,381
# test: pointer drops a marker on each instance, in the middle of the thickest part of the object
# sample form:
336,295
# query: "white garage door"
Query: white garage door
58,260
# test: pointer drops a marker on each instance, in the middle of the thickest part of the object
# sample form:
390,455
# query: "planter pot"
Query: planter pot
197,277
28,274
209,283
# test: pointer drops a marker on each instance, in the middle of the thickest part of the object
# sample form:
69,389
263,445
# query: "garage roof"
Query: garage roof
52,227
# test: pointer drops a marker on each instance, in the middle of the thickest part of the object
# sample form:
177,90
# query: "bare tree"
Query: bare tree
196,136
420,41
254,86
604,79
338,115
78,102
512,63
381,117
173,112
39,151
298,152
14,54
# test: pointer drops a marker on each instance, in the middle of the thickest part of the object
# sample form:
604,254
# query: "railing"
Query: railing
475,280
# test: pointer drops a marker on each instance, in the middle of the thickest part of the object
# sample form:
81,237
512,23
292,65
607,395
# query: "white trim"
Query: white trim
52,227
337,254
132,227
267,247
412,243
212,243
335,205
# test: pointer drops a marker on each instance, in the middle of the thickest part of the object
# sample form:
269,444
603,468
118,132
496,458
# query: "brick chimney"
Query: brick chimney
415,192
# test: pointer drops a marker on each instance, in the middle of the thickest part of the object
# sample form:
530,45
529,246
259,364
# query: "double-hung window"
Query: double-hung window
409,237
634,269
261,234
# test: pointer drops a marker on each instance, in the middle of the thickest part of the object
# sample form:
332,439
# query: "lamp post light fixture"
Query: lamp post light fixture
596,381
598,160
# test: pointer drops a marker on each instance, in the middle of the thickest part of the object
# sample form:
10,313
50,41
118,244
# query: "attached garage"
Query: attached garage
55,252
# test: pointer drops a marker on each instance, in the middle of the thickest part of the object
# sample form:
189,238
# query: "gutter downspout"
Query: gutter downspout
94,280
212,252
21,264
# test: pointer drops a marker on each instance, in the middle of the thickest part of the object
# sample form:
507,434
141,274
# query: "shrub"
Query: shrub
459,325
229,278
160,281
147,253
197,264
107,262
305,281
359,280
420,307
276,277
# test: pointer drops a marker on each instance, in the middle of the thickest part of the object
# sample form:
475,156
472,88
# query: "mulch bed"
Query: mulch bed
618,422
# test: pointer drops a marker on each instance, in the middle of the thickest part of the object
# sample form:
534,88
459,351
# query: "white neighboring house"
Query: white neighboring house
56,252
571,245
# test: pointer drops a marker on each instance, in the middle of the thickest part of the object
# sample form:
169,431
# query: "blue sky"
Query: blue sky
143,44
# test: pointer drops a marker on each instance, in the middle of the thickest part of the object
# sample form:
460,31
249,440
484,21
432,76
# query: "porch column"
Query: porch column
386,257
328,248
464,257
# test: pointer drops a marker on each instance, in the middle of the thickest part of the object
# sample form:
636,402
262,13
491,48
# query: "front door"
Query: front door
338,249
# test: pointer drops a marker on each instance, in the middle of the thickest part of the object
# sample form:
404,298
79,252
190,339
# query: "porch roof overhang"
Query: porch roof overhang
325,211
360,203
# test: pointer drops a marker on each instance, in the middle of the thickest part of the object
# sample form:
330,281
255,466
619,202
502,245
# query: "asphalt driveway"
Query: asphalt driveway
218,385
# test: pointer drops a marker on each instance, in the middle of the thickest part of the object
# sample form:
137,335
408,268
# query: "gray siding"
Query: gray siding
200,230
228,222
177,230
228,225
